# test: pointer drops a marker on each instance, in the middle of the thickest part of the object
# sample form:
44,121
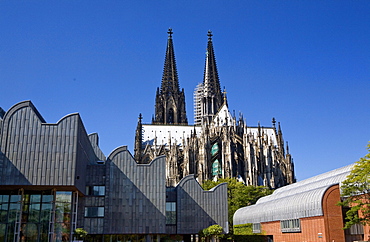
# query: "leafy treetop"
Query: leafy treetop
80,233
239,195
356,192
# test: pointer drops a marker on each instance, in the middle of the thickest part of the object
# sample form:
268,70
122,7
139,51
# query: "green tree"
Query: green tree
356,192
212,231
80,233
238,195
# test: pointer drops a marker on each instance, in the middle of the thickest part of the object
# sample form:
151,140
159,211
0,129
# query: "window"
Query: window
170,213
216,168
91,212
170,119
95,190
290,226
256,228
63,214
214,149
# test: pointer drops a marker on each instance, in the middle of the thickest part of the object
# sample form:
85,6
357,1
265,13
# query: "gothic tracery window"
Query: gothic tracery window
170,116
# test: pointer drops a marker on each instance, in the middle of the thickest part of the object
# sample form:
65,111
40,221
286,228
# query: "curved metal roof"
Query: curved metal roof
298,200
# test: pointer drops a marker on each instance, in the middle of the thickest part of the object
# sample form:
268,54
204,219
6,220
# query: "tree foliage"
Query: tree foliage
213,230
239,195
80,233
243,229
356,192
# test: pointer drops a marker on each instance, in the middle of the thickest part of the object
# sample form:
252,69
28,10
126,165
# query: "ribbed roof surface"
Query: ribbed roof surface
298,200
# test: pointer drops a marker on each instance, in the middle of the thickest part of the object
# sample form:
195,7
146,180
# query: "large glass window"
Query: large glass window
13,214
32,210
170,213
2,232
92,212
290,226
95,190
4,206
35,218
62,226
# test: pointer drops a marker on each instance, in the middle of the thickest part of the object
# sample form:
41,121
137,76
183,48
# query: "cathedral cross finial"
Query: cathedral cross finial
209,35
170,33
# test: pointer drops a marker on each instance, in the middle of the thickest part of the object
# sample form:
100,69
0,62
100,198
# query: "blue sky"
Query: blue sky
306,63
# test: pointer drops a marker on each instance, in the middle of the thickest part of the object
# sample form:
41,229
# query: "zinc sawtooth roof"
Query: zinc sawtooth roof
298,200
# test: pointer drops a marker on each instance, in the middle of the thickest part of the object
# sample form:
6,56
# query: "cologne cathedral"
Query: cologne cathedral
218,145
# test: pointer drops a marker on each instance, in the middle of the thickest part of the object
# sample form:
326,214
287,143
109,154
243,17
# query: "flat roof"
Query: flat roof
156,134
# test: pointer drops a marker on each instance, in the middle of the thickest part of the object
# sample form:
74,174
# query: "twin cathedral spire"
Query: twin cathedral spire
170,101
212,97
217,145
170,105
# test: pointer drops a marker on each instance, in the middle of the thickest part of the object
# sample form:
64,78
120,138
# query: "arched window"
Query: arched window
216,168
170,116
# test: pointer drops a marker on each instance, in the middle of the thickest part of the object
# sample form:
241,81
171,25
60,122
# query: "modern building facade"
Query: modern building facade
303,211
54,178
219,144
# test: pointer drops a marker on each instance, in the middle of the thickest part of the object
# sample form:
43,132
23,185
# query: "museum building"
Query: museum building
54,178
303,211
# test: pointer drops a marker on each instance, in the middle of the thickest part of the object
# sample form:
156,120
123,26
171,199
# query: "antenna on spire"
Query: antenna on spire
209,35
169,32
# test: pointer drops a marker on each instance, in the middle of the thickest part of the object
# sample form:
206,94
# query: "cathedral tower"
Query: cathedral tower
170,101
217,146
212,95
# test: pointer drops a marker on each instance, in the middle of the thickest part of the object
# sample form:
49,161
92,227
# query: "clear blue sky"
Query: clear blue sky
306,63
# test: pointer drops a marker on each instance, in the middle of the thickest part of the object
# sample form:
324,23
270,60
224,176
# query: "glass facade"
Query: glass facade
62,225
9,214
35,216
120,238
170,213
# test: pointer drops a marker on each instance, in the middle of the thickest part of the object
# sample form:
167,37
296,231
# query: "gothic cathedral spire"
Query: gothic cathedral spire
212,95
138,140
170,101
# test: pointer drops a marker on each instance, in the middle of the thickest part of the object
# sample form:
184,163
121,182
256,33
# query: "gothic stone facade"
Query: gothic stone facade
218,145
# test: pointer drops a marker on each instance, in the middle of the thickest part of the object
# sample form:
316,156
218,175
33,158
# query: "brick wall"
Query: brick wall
333,215
310,228
327,228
